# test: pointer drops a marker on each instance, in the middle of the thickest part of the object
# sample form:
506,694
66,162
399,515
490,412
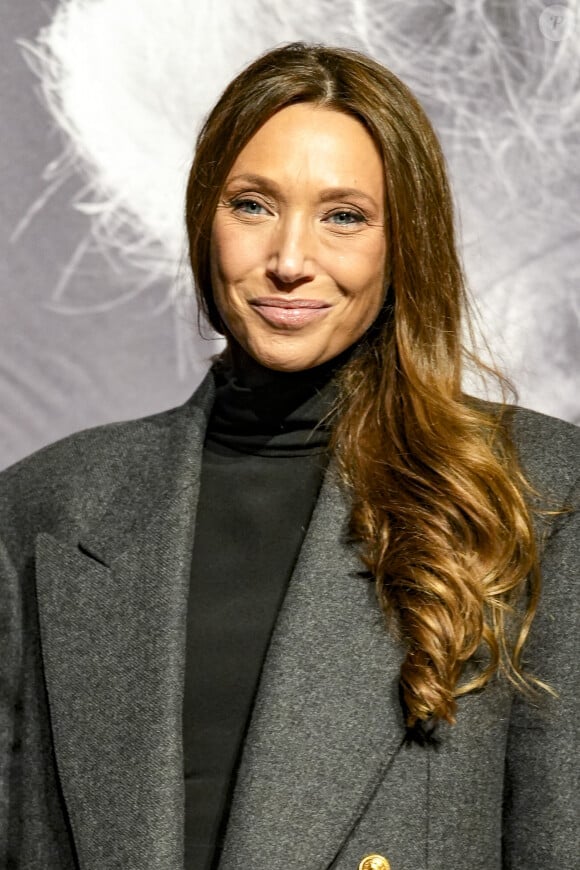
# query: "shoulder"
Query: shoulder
82,454
548,453
69,482
548,450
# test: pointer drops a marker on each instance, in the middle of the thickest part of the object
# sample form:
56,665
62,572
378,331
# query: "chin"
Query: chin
285,359
284,364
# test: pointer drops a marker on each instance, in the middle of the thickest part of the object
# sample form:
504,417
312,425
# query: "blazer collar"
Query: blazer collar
112,611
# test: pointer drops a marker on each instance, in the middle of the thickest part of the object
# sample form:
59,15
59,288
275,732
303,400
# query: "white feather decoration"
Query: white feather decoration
129,81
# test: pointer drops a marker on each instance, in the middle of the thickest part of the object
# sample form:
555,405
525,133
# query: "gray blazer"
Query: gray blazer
96,538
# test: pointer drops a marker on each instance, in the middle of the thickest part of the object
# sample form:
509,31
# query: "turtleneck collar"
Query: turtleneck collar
270,413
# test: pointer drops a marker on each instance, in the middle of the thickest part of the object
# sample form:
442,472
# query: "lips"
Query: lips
290,313
275,302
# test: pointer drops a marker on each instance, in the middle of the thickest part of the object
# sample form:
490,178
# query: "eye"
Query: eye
346,218
248,206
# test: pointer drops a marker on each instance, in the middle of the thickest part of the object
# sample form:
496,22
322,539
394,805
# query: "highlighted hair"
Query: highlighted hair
439,502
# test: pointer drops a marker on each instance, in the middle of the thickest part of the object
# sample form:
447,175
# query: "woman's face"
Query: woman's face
298,240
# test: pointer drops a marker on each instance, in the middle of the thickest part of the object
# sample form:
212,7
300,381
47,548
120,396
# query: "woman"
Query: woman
298,621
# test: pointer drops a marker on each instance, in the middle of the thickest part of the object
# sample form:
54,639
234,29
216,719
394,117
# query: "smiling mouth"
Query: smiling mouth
276,302
290,313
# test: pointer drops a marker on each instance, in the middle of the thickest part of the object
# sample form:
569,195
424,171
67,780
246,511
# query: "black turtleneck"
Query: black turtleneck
263,462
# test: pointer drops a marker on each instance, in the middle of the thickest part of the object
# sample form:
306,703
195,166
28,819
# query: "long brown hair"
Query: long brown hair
439,506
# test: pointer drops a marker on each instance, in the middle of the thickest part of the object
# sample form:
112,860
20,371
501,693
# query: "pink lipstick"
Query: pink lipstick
290,313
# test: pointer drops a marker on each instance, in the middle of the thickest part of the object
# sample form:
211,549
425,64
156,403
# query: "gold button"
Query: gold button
374,862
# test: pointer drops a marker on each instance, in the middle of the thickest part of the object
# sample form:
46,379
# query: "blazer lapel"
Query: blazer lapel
112,620
327,720
112,607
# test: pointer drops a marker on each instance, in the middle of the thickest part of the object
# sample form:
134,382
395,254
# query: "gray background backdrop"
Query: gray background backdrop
91,333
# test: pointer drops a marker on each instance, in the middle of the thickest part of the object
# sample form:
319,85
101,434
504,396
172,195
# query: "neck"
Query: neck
252,374
261,410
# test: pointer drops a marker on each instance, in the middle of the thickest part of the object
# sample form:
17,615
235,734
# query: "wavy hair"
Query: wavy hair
440,509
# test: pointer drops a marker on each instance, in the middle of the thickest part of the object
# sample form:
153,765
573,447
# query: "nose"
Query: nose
291,257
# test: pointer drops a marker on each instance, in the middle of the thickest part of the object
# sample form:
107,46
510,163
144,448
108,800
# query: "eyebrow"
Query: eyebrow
329,193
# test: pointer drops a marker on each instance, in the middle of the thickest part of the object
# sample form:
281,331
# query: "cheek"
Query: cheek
234,253
221,259
230,261
219,278
363,280
367,310
224,271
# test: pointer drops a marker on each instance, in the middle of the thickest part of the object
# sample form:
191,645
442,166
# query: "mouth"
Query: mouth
290,313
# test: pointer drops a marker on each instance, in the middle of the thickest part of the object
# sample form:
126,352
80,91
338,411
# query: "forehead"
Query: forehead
308,142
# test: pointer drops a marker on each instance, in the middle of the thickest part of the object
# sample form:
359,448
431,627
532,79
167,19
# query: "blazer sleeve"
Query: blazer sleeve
541,804
10,674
